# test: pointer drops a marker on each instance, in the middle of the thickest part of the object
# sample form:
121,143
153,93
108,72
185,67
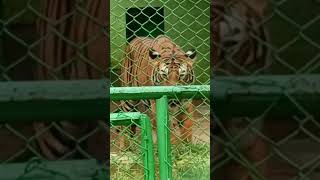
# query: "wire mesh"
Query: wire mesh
49,43
186,24
135,159
125,155
255,39
53,40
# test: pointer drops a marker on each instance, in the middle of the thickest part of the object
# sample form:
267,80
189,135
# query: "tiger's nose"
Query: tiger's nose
173,103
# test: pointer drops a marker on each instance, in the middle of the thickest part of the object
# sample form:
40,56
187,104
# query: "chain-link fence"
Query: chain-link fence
265,127
143,169
182,23
52,40
46,40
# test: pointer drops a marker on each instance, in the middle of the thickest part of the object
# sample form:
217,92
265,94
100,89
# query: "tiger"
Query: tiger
62,61
240,36
160,62
238,50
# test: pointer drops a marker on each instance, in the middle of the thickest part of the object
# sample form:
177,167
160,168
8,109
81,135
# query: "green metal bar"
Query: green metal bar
78,100
21,91
155,92
125,119
87,99
39,170
147,146
163,136
251,96
118,119
125,116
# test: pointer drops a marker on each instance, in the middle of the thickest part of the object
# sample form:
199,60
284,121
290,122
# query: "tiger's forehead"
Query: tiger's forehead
169,50
165,44
173,54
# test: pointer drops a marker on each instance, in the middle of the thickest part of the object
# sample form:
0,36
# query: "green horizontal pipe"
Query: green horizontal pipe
79,100
88,99
71,170
125,116
289,95
64,90
155,92
125,119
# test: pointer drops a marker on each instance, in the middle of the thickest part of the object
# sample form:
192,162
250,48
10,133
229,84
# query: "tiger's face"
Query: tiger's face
239,33
172,67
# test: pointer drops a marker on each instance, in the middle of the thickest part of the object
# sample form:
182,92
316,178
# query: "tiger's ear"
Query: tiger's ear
153,54
191,53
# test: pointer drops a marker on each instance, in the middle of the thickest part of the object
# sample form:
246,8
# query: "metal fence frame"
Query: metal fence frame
73,97
225,90
187,24
259,92
119,119
161,94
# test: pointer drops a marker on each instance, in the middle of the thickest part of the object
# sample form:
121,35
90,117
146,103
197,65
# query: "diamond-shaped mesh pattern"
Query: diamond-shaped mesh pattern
187,24
125,154
53,40
49,42
253,38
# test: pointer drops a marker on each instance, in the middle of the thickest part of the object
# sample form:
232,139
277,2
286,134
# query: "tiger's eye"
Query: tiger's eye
182,71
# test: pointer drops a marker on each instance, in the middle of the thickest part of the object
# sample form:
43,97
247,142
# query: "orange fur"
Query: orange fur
139,69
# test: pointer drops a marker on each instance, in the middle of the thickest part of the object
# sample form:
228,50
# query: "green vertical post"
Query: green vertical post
147,146
163,137
118,119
